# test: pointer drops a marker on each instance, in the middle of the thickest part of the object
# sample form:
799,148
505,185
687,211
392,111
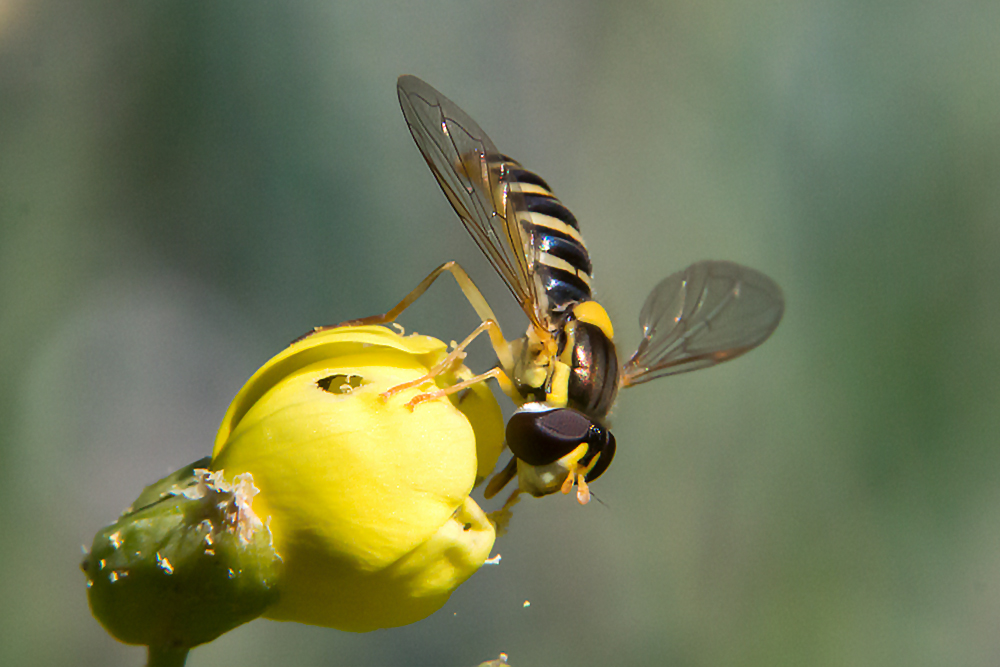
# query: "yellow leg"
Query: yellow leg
500,346
472,294
431,395
456,356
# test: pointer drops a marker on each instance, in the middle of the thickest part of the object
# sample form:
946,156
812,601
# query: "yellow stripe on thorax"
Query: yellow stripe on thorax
592,312
558,394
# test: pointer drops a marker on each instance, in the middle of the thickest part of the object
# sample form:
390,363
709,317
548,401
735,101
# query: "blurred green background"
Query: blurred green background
187,186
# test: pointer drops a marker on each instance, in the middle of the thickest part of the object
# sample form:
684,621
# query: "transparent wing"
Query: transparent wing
465,163
706,314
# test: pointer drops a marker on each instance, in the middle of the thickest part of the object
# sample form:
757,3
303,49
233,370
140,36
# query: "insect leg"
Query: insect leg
472,294
501,479
501,517
455,356
431,395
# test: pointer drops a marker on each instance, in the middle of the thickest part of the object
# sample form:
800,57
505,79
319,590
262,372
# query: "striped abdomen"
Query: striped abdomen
559,257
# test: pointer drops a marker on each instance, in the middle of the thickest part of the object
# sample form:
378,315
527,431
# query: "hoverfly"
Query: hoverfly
564,373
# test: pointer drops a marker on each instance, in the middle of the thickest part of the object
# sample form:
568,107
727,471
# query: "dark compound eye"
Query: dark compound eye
540,437
605,445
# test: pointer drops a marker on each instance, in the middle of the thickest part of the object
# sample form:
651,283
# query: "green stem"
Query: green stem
161,656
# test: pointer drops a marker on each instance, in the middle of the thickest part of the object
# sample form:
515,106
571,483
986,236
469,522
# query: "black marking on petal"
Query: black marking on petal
340,383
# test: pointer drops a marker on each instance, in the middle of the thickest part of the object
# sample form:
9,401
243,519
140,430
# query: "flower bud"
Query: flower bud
366,497
186,563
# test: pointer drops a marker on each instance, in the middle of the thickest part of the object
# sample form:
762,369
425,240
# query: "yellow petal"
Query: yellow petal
367,499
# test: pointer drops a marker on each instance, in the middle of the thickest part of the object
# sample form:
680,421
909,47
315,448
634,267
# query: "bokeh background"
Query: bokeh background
187,186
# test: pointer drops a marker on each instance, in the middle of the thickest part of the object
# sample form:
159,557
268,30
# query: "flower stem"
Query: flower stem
161,656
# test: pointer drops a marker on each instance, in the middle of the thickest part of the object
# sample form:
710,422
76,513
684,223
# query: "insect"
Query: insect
564,373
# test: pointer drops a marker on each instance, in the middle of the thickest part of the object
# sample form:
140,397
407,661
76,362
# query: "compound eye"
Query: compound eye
540,437
602,441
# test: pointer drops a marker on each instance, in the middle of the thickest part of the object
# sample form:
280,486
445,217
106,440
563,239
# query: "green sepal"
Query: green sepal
188,562
167,486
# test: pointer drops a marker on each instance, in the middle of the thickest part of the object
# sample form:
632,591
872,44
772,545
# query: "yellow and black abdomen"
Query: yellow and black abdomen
561,267
560,263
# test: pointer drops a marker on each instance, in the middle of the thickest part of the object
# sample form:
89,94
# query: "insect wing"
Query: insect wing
465,163
706,314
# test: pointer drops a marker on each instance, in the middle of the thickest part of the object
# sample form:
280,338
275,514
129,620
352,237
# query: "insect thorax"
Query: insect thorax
579,371
593,380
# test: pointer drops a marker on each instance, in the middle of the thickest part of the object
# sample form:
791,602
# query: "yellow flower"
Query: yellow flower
368,500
